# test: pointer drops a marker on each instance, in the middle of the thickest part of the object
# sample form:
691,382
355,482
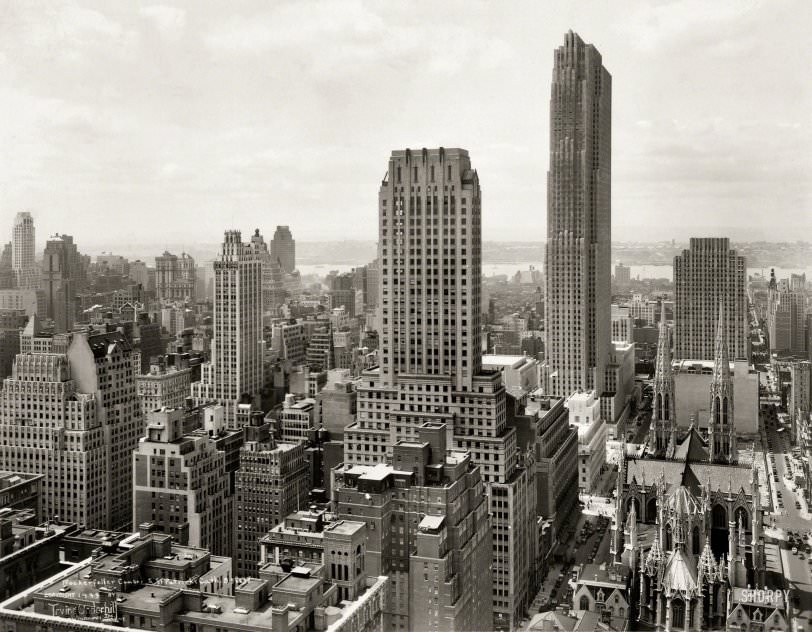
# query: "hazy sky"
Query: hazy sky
126,122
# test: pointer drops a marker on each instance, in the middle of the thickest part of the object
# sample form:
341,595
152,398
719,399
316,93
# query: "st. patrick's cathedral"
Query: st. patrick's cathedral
689,515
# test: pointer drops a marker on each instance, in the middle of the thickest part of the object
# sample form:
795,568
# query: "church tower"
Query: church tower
721,435
663,421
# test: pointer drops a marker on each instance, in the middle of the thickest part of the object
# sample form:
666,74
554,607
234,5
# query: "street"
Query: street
790,516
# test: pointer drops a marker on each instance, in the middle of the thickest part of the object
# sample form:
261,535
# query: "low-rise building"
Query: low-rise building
585,415
149,583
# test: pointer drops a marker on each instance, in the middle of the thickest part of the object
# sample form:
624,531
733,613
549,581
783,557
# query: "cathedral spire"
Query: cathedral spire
721,359
662,416
721,435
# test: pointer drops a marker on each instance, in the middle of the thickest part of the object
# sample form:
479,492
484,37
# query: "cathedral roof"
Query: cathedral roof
691,474
682,502
692,447
680,573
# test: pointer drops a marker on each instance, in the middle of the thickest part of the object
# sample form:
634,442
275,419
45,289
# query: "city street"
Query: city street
787,517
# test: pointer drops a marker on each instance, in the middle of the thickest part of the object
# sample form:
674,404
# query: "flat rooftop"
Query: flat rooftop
504,360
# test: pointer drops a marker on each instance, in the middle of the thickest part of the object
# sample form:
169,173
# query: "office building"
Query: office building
320,355
31,300
579,216
164,386
799,402
336,405
288,341
431,353
235,371
271,482
428,530
623,275
313,536
48,427
23,252
105,364
62,279
556,462
175,278
786,317
619,387
622,324
273,289
147,582
708,272
585,416
283,249
180,484
297,419
12,322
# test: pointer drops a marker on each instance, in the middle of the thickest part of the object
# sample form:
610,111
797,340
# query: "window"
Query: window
584,603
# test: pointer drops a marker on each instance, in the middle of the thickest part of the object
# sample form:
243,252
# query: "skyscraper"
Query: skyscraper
180,484
271,482
283,249
61,280
23,251
429,250
273,289
235,371
579,216
175,277
104,365
705,274
67,445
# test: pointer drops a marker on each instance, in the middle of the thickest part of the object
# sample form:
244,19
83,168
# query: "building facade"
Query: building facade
180,484
706,273
429,531
271,482
235,371
283,249
175,278
431,353
579,216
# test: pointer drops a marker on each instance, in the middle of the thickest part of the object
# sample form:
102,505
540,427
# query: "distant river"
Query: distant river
510,269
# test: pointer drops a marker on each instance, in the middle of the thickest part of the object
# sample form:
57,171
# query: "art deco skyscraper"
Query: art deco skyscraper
23,246
579,214
430,247
705,274
236,368
429,250
283,249
61,278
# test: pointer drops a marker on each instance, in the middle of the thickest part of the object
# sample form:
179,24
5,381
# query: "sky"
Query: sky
126,122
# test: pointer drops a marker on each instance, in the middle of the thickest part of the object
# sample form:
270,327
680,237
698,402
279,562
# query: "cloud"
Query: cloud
349,38
72,33
170,21
653,26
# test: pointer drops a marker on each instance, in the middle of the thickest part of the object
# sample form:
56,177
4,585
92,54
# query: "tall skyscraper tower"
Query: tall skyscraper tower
235,371
705,274
579,216
23,248
429,249
283,249
61,272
